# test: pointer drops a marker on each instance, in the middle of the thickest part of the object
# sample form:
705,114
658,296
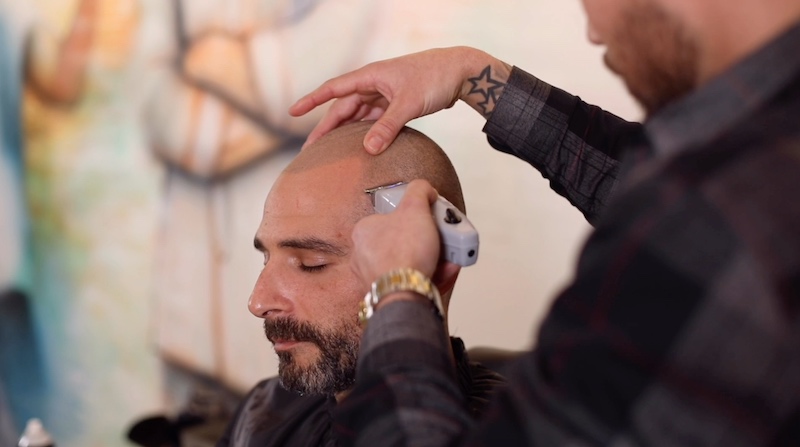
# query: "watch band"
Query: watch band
400,280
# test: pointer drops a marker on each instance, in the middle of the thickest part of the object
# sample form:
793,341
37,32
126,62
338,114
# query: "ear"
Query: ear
445,276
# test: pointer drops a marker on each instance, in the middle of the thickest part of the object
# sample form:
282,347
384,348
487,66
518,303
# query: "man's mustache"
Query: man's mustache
289,329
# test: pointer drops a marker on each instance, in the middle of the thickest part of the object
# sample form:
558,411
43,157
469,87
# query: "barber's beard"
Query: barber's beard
655,55
332,371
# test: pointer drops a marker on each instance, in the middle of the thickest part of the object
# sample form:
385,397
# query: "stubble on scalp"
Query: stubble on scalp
412,155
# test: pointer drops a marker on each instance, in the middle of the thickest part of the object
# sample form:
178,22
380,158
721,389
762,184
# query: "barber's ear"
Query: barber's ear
445,276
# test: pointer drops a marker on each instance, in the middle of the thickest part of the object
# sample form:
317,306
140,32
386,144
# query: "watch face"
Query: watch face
408,280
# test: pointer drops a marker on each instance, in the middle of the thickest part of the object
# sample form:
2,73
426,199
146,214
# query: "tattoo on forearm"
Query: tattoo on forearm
489,90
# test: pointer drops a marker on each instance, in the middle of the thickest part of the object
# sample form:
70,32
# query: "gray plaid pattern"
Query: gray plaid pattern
682,325
523,123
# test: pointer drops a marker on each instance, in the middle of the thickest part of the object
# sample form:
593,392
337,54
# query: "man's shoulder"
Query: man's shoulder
267,386
273,415
270,394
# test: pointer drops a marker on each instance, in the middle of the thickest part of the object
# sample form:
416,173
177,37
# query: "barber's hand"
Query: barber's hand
395,91
406,237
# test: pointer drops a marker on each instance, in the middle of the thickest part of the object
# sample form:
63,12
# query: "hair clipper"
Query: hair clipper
459,237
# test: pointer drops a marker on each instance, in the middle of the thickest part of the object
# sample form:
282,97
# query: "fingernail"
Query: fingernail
374,144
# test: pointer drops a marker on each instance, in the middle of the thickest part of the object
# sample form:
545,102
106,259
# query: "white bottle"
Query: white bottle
35,435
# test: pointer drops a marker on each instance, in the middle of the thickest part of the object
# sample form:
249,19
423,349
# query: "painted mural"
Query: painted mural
217,119
89,191
21,385
140,139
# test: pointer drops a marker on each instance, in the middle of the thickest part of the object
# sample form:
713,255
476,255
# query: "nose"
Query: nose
268,296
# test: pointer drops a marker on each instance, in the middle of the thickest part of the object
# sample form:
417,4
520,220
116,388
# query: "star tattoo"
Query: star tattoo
487,87
484,84
488,105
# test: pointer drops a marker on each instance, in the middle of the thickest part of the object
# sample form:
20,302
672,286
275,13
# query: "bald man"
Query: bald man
309,296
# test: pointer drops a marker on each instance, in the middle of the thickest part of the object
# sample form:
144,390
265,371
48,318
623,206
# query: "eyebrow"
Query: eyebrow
306,243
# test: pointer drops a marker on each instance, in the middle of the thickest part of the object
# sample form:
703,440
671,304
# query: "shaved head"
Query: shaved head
411,156
307,292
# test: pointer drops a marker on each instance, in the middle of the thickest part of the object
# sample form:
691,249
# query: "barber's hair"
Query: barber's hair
411,156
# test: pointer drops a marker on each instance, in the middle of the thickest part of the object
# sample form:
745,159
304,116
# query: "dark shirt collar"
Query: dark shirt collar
716,107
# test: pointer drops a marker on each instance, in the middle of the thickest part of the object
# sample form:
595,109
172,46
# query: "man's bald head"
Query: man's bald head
411,156
307,293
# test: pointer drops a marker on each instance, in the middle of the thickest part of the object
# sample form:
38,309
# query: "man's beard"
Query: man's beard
655,56
332,372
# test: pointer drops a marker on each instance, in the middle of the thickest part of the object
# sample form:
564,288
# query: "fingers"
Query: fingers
379,135
419,193
321,95
351,109
445,275
339,113
338,87
375,254
388,126
391,117
393,92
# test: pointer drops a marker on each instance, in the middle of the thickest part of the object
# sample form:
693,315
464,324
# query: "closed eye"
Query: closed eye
313,268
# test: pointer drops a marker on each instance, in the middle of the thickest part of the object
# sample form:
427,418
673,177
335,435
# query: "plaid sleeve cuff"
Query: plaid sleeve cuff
531,117
405,334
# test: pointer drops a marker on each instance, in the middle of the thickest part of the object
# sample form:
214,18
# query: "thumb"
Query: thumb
419,193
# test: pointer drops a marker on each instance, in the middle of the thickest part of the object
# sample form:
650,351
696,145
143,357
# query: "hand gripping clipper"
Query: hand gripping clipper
459,237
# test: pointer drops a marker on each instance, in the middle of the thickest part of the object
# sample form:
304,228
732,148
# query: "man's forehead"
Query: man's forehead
335,185
325,201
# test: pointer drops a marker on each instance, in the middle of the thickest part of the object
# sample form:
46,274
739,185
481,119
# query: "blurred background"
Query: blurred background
139,140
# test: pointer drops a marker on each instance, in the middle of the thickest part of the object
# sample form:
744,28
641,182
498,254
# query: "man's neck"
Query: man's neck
730,31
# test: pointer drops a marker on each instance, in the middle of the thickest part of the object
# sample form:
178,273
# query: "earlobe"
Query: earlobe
445,276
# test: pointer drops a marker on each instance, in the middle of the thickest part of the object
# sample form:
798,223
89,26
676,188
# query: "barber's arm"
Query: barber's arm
405,364
575,145
628,354
395,91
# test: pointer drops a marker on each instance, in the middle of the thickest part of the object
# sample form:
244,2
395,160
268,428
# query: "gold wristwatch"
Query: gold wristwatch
400,280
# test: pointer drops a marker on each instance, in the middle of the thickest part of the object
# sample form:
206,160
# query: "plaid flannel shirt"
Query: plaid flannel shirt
682,324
